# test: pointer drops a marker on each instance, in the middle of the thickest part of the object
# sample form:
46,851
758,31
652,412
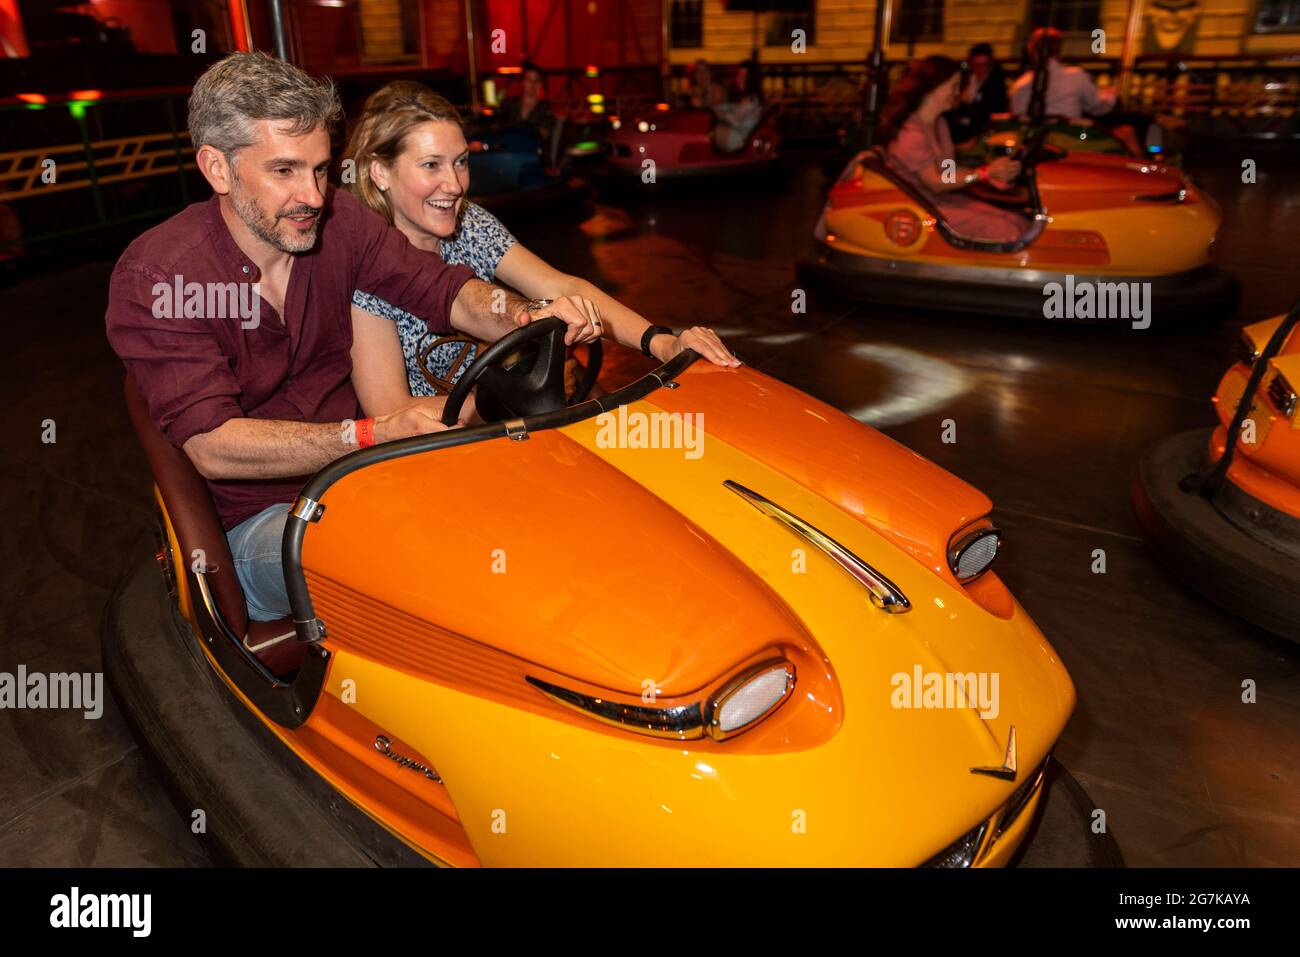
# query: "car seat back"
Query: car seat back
200,536
193,516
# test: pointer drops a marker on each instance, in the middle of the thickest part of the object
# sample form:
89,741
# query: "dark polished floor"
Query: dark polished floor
1049,422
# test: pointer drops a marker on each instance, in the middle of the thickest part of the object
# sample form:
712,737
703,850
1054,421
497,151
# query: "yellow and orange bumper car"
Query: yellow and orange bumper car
1096,222
702,620
1226,513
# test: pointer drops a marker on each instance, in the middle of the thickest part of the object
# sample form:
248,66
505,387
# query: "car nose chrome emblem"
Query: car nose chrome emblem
385,747
1008,770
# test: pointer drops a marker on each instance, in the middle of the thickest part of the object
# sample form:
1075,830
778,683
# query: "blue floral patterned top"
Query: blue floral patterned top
480,242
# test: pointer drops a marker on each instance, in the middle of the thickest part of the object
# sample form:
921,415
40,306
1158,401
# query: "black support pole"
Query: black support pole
1038,93
276,10
876,78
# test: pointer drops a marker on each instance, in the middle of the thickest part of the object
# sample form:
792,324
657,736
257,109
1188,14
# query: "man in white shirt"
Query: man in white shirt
1071,92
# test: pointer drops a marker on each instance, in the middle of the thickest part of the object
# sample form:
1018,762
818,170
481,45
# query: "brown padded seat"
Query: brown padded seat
194,519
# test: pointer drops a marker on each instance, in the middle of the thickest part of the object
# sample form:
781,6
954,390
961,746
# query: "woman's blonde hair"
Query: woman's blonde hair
390,113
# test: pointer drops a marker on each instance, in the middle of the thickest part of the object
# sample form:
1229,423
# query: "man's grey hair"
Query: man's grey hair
244,87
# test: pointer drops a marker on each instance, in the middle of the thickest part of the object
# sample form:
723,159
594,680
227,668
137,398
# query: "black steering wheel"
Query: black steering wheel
531,384
1030,150
1034,151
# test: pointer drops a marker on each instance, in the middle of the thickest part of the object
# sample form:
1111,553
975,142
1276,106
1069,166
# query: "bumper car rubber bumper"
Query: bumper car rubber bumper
1217,556
1177,299
264,807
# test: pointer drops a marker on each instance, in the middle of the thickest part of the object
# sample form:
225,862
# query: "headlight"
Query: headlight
741,702
748,698
961,852
972,550
616,123
1282,395
643,126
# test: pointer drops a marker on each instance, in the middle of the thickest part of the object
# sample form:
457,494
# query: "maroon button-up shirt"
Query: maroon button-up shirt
199,357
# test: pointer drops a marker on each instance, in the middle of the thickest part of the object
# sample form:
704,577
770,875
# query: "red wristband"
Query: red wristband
365,433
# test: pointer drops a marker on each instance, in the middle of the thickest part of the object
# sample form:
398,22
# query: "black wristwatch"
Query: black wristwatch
650,334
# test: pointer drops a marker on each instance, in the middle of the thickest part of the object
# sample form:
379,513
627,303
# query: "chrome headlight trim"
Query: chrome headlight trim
684,722
718,700
962,541
962,852
680,723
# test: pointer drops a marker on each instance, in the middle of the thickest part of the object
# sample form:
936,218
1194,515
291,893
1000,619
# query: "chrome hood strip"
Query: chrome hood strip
885,595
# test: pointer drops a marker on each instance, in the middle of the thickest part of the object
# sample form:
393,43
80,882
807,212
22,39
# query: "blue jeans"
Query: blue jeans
255,547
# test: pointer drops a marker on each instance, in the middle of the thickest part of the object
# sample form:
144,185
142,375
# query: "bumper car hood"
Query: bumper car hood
594,558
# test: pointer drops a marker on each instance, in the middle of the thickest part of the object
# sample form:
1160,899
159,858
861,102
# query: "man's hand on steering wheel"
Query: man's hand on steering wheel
422,416
580,315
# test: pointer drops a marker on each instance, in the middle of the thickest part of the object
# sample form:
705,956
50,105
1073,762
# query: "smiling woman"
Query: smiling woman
411,161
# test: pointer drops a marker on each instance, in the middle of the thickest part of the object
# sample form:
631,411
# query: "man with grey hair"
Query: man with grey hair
234,316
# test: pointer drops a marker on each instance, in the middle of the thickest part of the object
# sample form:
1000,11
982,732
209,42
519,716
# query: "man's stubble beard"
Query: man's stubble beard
265,227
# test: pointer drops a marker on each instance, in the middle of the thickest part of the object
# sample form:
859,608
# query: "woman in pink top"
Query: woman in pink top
917,142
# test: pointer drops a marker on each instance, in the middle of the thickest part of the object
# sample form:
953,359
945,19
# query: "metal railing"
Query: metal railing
89,162
623,88
1255,96
1218,96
